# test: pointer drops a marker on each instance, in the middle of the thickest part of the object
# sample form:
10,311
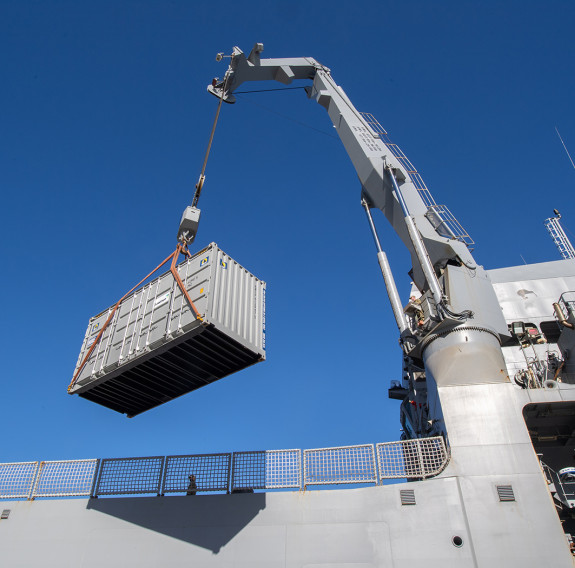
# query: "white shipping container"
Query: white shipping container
155,348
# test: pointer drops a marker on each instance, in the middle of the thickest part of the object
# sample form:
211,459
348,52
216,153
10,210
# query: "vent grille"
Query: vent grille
505,493
407,496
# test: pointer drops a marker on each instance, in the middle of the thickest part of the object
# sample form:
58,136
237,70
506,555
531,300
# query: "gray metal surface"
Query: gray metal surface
529,291
526,294
155,349
357,528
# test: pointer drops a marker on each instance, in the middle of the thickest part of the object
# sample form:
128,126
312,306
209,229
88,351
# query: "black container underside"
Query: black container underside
184,367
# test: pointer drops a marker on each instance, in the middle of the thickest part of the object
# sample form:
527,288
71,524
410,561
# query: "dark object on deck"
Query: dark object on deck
192,486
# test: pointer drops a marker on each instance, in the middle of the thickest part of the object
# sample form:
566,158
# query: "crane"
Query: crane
458,308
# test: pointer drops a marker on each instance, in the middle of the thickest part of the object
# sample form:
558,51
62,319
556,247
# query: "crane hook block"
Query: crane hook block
189,225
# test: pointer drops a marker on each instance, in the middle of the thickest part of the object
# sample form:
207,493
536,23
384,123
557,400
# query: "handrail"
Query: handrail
265,470
557,486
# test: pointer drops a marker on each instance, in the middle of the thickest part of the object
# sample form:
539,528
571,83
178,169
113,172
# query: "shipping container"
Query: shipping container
155,349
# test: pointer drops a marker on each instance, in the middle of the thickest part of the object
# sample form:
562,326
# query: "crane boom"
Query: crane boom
456,291
371,157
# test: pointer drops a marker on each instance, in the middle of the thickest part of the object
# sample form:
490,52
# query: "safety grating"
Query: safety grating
65,478
412,459
346,464
283,469
17,479
249,470
130,476
211,473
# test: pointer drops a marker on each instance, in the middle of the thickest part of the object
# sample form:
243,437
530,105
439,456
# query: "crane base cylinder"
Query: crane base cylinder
464,356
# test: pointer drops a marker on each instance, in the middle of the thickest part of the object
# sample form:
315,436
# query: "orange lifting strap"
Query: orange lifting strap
180,249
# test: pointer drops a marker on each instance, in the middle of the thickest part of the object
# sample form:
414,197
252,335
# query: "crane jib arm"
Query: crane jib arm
442,264
372,159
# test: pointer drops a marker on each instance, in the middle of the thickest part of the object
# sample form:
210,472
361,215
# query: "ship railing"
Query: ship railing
129,476
341,465
567,302
234,472
414,459
211,471
68,478
564,490
270,469
561,240
440,217
17,480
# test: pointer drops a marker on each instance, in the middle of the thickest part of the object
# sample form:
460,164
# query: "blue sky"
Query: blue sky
105,120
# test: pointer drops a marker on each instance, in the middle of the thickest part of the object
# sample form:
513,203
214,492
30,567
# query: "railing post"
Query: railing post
374,464
231,473
162,480
99,478
32,495
420,458
33,482
94,481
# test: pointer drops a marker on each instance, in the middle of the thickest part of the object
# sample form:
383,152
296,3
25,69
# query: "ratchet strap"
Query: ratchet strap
180,249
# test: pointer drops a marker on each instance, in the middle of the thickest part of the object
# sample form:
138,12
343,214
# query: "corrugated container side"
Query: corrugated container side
146,319
237,302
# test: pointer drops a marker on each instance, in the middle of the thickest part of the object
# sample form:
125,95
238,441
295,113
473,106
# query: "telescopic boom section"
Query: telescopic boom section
374,162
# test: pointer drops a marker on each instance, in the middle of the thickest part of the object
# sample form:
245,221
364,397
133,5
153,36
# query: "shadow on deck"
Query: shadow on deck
208,521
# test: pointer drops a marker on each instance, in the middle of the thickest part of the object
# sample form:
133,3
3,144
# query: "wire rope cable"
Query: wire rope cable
202,177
